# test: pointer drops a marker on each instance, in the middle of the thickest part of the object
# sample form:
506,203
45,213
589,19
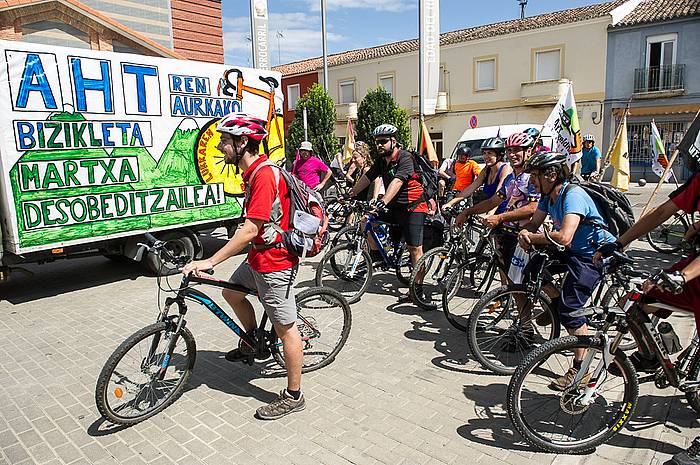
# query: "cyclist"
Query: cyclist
591,158
361,163
270,270
491,178
404,196
577,225
310,169
457,174
521,198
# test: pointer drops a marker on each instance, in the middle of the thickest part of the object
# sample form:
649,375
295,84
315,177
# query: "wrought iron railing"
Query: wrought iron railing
659,78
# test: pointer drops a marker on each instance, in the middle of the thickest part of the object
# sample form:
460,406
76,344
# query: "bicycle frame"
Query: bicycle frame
370,228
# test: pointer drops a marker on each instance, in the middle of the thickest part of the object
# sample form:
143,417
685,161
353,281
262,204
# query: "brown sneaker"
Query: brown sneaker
284,405
564,382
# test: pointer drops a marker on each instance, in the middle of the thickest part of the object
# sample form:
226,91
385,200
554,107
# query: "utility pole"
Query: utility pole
325,52
252,32
279,53
522,4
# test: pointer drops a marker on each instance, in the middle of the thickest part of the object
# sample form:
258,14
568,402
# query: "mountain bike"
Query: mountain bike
436,266
600,400
150,369
348,267
668,236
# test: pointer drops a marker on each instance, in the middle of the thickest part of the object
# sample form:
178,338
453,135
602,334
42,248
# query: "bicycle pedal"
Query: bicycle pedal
646,379
250,360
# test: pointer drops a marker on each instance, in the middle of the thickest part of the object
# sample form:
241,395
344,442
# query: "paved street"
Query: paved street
404,390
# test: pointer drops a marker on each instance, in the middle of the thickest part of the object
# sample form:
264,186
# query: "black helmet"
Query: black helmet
463,150
546,161
494,143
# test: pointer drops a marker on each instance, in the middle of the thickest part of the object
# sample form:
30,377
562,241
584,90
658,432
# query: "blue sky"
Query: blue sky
358,23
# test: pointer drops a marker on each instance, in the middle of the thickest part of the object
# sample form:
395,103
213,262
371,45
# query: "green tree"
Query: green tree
378,107
321,120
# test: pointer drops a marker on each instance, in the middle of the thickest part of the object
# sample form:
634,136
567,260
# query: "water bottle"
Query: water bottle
669,338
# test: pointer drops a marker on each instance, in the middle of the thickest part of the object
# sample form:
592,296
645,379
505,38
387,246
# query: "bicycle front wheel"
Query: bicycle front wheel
433,269
667,237
471,281
323,320
345,270
140,378
557,421
507,323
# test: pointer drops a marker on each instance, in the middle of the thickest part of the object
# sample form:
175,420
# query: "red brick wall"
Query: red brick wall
197,30
305,81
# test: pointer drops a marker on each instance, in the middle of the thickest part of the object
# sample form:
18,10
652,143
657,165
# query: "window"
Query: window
386,82
436,137
292,96
347,91
548,65
661,56
486,74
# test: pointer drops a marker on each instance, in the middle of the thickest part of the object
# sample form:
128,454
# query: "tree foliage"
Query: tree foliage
378,107
321,124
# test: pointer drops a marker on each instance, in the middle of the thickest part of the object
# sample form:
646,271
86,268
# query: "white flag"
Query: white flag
261,49
658,152
430,53
564,127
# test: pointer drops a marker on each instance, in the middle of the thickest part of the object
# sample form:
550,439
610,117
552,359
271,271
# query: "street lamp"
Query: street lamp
522,4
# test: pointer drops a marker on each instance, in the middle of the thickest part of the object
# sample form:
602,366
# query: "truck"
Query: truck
100,148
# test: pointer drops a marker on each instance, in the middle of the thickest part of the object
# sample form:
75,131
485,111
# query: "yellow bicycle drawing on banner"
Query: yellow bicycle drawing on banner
210,161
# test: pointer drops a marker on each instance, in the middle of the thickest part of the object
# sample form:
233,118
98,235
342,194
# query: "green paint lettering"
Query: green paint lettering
29,174
121,204
104,206
142,197
154,206
61,206
51,177
136,135
172,202
93,208
108,170
45,212
32,216
78,130
93,141
210,197
70,168
56,127
78,210
127,172
90,165
197,193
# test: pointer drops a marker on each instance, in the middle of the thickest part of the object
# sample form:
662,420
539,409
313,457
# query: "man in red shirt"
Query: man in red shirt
270,270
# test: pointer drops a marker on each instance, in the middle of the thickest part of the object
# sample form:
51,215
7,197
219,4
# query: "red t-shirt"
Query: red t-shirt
687,197
261,196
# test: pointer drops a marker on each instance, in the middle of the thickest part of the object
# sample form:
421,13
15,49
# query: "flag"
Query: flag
429,51
659,161
259,18
425,146
620,160
563,124
690,145
349,143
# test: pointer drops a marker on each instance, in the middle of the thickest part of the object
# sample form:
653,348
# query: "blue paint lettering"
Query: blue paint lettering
139,71
82,84
34,80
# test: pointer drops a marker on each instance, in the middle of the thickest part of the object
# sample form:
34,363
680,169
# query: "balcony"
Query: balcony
659,81
542,92
345,111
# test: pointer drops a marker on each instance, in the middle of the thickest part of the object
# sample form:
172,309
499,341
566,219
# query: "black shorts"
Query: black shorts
507,242
405,225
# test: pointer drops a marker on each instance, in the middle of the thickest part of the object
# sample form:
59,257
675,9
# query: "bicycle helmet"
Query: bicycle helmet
385,130
520,139
494,143
588,138
532,132
464,151
242,124
545,161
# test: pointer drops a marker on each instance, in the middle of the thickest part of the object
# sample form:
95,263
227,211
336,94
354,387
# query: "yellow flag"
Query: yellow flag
620,161
349,143
426,145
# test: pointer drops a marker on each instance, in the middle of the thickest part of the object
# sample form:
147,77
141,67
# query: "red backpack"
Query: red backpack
307,232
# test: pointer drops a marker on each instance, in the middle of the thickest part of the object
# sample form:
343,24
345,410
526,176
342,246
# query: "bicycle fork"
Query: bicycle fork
587,397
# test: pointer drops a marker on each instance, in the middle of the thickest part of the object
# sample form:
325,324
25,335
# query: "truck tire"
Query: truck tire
180,243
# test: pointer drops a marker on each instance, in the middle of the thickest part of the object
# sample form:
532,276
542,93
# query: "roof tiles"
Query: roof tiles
652,11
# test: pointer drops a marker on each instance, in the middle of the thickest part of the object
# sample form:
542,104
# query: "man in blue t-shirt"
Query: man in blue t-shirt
591,158
578,226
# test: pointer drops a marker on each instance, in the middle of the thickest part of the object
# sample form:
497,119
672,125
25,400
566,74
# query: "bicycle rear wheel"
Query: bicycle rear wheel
475,278
345,270
324,320
436,267
507,323
555,421
337,214
128,388
667,237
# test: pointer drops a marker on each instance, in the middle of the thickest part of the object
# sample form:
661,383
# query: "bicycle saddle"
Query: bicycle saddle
270,81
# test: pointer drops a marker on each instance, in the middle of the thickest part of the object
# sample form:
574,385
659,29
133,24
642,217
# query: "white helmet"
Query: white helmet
384,130
588,138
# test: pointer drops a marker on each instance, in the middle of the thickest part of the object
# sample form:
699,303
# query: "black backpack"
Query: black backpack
612,205
427,175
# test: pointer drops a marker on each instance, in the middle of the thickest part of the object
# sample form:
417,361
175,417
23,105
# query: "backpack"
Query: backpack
427,176
308,222
612,205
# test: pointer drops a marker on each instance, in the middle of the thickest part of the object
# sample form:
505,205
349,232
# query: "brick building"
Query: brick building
184,29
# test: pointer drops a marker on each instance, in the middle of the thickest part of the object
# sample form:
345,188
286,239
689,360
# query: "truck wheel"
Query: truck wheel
179,244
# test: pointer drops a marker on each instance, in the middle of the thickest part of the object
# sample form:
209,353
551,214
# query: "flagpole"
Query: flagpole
661,179
608,154
421,51
325,51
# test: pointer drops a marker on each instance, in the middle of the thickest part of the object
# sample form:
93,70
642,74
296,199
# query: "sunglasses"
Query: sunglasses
381,141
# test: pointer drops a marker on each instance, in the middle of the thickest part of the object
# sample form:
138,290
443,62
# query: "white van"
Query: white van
473,138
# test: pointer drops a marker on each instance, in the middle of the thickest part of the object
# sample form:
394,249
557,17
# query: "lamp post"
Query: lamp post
325,53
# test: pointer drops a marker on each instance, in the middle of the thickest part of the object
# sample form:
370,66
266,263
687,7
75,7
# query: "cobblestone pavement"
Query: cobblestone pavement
404,390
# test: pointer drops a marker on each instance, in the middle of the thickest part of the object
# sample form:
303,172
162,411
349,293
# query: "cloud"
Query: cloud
394,6
301,38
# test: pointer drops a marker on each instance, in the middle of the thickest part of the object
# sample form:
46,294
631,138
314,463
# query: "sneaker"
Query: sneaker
640,363
241,353
284,405
563,382
405,299
691,456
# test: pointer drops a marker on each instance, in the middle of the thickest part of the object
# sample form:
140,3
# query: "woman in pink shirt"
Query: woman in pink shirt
310,168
